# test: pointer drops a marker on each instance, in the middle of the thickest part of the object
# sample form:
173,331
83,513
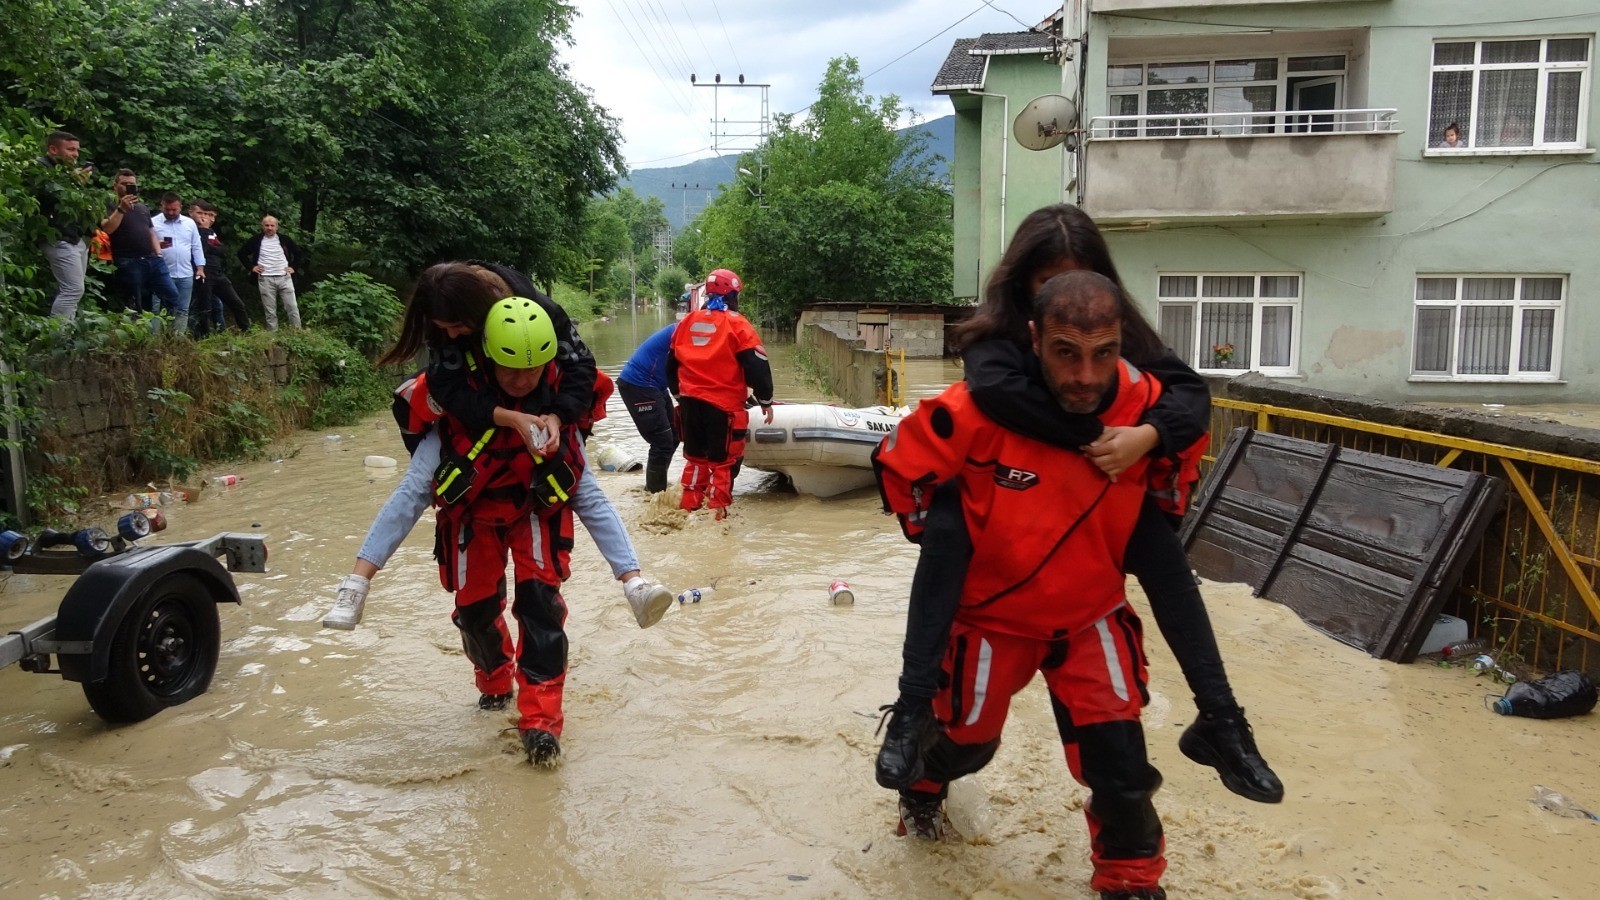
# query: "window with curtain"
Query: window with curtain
1232,322
1488,327
1507,94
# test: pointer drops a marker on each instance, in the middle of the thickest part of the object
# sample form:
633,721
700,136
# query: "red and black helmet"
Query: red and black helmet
722,282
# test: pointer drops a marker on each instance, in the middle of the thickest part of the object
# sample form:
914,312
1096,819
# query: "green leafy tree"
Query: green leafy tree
669,283
840,207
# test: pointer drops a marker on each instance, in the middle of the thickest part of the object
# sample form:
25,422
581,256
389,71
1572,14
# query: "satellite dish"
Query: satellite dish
1045,122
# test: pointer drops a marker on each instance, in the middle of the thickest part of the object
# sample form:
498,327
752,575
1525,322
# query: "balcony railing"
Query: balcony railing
1244,124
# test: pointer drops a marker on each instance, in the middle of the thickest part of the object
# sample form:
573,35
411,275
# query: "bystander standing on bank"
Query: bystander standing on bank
215,294
272,259
60,194
179,240
135,253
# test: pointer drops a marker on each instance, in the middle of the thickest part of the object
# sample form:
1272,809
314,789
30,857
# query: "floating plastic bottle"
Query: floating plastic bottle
379,462
1464,649
1555,696
695,595
1486,665
144,500
226,480
1560,804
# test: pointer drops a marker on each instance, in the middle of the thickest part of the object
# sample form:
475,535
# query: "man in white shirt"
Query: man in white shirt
183,253
271,259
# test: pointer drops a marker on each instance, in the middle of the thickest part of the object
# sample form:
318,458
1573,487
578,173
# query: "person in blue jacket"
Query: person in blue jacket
643,386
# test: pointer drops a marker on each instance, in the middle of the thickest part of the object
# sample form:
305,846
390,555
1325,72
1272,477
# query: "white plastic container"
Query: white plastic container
380,462
1446,630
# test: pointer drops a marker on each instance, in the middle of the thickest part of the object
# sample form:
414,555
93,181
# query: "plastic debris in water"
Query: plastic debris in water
1558,803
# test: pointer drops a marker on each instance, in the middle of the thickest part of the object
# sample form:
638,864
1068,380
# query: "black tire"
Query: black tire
163,652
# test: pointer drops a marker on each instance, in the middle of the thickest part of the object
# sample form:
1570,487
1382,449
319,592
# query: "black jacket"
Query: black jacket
1007,386
250,254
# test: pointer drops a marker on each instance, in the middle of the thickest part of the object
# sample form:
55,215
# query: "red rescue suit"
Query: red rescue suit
496,517
1043,593
716,359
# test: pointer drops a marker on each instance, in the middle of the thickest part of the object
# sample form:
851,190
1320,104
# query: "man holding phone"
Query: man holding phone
59,196
179,241
135,250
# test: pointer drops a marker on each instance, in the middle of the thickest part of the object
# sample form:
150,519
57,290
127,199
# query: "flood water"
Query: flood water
726,752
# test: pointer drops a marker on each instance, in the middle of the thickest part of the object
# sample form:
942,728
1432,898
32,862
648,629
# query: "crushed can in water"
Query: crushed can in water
839,594
133,526
158,519
13,545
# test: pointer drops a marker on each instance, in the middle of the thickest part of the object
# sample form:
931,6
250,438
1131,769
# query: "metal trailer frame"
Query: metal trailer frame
89,624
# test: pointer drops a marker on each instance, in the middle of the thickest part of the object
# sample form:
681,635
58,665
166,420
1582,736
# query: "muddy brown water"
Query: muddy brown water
726,752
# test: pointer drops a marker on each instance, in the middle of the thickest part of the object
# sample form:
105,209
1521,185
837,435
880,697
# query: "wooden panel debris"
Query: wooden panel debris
1365,548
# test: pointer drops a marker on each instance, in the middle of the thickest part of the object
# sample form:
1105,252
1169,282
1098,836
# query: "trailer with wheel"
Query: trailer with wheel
139,627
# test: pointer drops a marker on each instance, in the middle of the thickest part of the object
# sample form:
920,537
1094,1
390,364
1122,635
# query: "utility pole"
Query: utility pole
686,188
661,240
739,135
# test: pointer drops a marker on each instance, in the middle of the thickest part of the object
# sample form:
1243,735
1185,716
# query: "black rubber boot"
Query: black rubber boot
655,478
910,729
493,701
1223,740
542,746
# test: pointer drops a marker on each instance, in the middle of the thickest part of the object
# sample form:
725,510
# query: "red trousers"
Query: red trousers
472,562
713,445
1096,680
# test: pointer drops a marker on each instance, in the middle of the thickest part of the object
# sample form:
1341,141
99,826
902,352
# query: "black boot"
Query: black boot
910,730
1223,740
541,746
655,478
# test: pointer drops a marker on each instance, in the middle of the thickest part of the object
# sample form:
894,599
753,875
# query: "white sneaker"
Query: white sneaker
347,607
650,601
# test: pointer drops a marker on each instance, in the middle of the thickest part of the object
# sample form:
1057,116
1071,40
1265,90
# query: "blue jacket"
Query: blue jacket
647,367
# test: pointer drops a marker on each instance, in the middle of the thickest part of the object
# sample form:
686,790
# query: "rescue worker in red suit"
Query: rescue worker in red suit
496,499
1044,591
716,361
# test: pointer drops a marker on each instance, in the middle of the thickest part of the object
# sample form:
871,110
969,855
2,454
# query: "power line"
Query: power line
686,65
731,47
642,55
695,28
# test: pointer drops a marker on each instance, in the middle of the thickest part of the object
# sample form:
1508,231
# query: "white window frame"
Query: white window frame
1202,359
1543,67
1518,306
1279,124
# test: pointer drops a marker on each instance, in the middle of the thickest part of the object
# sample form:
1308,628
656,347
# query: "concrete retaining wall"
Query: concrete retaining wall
853,374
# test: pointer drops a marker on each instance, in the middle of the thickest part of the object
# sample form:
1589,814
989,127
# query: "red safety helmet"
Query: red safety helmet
722,282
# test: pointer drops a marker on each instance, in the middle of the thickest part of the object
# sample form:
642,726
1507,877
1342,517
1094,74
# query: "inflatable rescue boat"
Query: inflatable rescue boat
824,450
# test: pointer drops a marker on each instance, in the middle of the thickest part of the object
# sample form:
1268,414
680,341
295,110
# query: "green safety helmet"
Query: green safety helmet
519,334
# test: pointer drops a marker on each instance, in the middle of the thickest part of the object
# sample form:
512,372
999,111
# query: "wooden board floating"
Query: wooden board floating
1365,548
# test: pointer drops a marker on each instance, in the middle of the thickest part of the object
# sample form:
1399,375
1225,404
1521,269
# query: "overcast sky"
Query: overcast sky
636,57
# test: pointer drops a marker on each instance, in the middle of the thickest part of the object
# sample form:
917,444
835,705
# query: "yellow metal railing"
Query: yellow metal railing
1531,585
894,380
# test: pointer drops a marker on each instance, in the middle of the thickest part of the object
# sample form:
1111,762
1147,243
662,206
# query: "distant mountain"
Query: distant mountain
685,190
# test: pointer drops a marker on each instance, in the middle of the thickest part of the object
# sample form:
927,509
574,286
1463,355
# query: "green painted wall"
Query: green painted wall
1519,214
